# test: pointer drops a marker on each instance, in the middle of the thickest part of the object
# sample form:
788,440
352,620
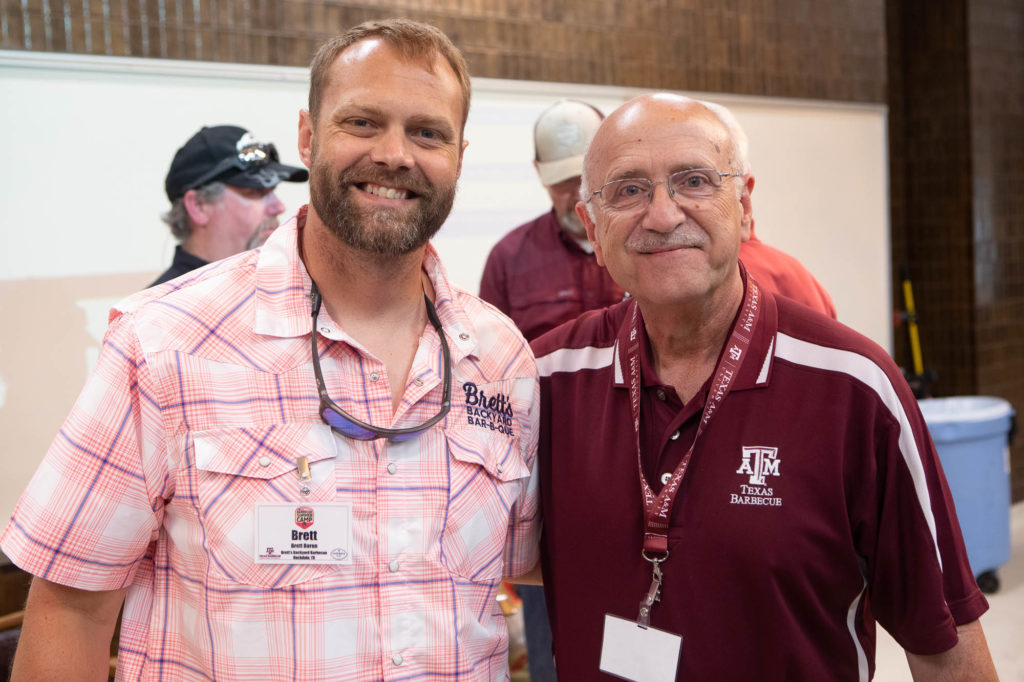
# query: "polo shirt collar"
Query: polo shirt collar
755,371
283,286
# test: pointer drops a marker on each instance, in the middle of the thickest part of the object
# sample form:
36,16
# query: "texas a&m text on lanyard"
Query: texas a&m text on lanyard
658,508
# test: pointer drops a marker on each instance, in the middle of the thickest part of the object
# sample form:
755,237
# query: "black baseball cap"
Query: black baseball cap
231,155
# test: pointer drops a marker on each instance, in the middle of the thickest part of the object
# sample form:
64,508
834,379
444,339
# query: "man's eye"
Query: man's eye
430,134
629,189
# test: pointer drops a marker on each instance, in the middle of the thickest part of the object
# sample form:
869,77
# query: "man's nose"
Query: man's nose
663,213
273,204
391,149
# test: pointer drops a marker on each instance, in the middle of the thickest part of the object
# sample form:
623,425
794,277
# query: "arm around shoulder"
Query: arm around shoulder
969,659
66,633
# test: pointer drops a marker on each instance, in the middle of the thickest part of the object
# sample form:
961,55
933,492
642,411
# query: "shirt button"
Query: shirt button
464,336
500,468
393,566
661,395
666,477
675,436
374,376
264,461
418,381
325,329
392,468
397,659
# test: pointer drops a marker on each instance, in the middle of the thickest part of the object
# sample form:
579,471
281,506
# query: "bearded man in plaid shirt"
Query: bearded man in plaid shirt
312,461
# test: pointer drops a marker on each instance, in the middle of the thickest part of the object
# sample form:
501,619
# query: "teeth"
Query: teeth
386,192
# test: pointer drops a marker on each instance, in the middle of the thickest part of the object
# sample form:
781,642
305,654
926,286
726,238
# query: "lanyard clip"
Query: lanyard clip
302,468
653,594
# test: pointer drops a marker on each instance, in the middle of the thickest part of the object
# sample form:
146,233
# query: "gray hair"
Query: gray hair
177,218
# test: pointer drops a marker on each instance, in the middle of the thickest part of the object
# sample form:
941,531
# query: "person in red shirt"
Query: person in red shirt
734,487
775,270
543,272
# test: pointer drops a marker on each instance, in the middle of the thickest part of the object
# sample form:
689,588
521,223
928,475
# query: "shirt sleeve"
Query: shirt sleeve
920,584
91,509
522,548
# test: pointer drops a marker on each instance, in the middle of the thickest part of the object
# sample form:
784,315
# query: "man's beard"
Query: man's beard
262,233
384,231
572,224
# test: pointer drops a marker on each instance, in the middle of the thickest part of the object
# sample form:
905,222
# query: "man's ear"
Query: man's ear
588,222
198,212
306,138
462,152
747,221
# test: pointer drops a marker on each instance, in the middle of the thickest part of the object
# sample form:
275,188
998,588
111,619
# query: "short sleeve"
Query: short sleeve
92,509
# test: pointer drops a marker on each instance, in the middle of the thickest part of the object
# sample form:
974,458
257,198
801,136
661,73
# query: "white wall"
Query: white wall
86,141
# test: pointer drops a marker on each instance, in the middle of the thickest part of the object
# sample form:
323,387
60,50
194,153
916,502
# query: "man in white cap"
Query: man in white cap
543,273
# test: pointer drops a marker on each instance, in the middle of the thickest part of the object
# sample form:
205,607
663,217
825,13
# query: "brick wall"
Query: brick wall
821,49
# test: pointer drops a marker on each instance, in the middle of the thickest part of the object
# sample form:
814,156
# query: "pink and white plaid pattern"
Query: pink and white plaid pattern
201,402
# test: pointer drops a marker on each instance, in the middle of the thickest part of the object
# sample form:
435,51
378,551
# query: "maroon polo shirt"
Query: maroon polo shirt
540,277
814,504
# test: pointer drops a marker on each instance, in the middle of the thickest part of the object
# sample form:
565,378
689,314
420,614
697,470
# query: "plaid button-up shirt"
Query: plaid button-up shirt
200,405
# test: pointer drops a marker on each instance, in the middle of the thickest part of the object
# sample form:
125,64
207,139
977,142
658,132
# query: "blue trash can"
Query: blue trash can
971,435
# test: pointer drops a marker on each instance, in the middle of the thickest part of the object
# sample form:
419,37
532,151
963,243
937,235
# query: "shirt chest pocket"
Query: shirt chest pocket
237,468
488,477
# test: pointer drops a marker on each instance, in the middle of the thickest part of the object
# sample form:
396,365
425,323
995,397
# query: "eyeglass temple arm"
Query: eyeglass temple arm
315,300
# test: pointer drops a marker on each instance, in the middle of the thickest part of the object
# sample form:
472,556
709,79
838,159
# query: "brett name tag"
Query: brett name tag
303,533
633,653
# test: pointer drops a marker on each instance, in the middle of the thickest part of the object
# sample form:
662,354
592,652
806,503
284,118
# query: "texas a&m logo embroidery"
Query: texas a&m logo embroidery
303,517
758,463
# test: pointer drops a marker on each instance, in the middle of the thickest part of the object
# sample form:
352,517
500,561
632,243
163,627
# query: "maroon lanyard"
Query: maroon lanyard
658,508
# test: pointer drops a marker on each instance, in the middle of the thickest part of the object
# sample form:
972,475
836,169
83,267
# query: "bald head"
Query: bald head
659,115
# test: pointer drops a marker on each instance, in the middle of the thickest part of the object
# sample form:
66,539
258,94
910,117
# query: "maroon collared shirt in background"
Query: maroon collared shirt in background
540,277
814,505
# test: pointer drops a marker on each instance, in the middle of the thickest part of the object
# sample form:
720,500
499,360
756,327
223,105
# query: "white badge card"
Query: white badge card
633,653
303,533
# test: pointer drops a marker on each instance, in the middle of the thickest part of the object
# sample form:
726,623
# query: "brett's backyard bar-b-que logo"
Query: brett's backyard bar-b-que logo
492,412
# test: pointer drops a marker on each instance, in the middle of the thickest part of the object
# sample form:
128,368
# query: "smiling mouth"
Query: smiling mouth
385,192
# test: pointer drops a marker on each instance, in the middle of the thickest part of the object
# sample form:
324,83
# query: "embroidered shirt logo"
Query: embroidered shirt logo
492,412
758,464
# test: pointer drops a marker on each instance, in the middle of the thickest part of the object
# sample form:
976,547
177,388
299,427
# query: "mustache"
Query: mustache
682,237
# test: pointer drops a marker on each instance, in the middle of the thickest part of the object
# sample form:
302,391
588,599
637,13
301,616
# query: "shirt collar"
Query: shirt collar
283,285
756,369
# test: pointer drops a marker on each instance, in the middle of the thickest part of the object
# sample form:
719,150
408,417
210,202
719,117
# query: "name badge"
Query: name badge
303,533
633,653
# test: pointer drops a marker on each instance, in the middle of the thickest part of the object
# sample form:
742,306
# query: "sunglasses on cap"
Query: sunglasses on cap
249,158
345,424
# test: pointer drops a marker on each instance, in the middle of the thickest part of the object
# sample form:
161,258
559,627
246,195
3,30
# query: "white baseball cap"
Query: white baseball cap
561,136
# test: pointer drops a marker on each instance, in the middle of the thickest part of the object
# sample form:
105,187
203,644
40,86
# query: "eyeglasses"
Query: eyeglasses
345,424
630,194
250,157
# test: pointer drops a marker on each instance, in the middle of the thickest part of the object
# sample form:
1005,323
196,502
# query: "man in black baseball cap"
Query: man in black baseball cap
221,187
